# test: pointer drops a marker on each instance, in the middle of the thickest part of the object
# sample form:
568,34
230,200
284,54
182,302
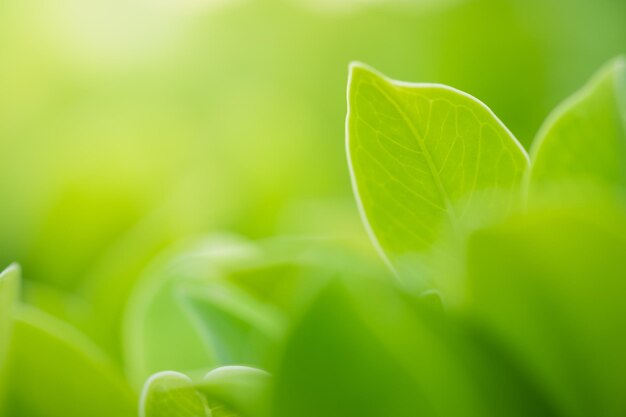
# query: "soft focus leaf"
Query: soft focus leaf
550,284
236,328
56,372
172,394
584,139
372,352
159,334
420,154
236,390
223,301
231,391
9,288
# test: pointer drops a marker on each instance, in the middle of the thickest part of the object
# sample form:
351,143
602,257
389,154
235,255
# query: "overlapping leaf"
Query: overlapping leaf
231,391
224,302
172,394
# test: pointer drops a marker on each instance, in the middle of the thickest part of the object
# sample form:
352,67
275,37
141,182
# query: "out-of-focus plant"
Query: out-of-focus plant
532,286
530,318
130,127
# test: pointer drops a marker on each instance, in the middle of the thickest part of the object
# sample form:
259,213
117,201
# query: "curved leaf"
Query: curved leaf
231,391
584,139
56,372
9,288
172,394
238,328
223,302
420,155
236,390
158,334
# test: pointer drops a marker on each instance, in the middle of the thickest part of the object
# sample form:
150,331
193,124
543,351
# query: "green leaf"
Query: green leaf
550,284
231,391
172,394
366,350
235,327
421,155
158,334
584,139
236,390
56,372
9,289
192,312
223,300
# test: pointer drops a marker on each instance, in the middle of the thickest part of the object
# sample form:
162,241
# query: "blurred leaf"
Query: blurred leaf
236,390
9,288
550,284
419,155
164,333
232,391
172,394
223,301
236,328
158,334
369,351
584,139
56,371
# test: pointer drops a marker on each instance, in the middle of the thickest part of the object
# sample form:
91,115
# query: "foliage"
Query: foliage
486,281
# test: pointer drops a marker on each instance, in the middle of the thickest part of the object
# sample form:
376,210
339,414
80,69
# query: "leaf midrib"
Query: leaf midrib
450,212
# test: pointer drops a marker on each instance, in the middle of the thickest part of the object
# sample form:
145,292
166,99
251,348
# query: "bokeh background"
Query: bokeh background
127,126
